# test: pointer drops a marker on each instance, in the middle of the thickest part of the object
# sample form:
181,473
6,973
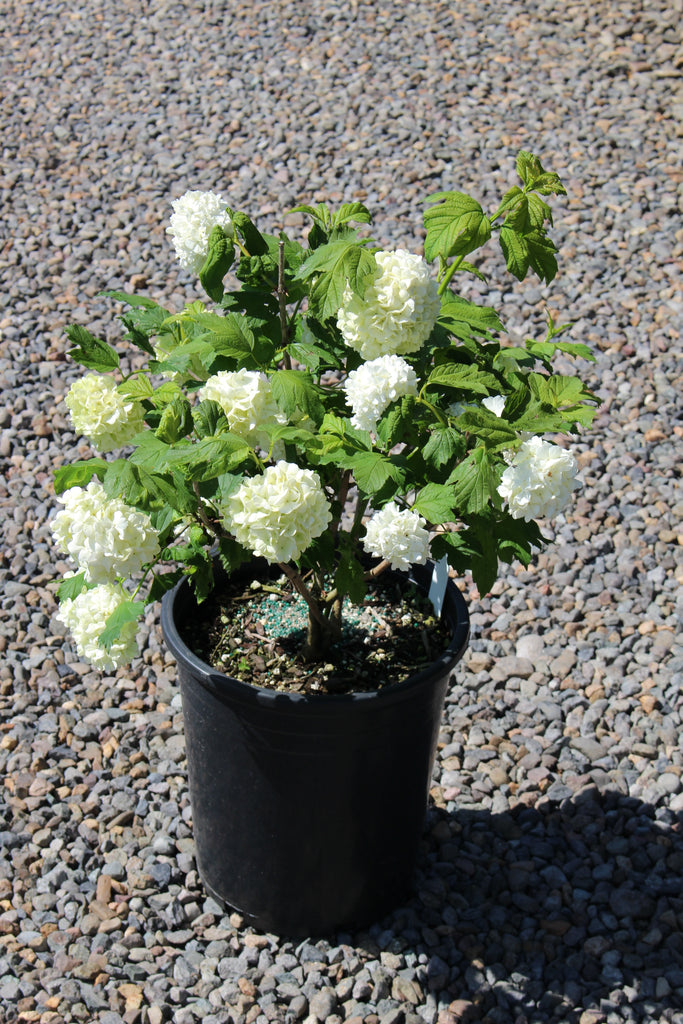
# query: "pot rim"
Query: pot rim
220,683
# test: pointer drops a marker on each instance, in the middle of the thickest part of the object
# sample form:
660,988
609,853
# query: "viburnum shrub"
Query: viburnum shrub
340,402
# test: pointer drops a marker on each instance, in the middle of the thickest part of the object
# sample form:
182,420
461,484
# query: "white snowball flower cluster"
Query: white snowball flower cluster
397,312
278,514
86,617
194,216
100,413
375,385
247,401
539,480
105,537
399,536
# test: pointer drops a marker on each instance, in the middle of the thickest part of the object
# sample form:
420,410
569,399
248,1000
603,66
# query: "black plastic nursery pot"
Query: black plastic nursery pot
308,809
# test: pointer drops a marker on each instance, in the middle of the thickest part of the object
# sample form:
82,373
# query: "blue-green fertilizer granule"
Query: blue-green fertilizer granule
255,631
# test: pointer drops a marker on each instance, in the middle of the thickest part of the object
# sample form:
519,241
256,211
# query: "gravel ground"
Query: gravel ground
549,885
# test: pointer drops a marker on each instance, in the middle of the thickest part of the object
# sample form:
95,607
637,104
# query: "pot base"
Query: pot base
308,810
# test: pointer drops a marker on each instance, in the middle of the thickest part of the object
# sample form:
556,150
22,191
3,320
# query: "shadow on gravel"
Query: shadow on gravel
556,909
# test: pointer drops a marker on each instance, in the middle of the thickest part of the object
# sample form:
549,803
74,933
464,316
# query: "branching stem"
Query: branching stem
344,485
204,519
302,589
446,279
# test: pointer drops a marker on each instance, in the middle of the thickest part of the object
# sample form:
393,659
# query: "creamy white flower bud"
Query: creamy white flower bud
375,385
86,616
106,538
247,401
194,216
539,480
399,536
494,403
100,413
278,514
398,310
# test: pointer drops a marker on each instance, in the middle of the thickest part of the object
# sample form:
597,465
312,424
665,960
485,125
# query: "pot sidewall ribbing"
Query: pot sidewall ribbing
308,810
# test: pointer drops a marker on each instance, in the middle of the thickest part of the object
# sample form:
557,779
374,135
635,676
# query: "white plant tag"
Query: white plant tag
437,588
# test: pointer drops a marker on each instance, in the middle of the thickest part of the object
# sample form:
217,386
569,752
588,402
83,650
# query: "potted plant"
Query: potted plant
304,463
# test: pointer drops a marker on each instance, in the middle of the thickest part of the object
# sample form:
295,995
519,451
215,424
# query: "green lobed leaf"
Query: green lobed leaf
176,421
151,452
538,212
348,212
312,356
226,484
320,213
516,538
394,427
296,389
309,349
511,198
493,430
549,183
518,218
219,258
89,351
515,251
78,474
213,456
163,520
464,377
163,582
444,444
457,547
129,299
464,319
138,387
355,440
164,394
372,471
545,350
124,479
566,394
528,166
313,332
485,562
209,418
199,569
515,404
503,359
228,335
470,268
70,588
475,481
532,173
298,436
455,227
129,611
232,555
542,255
258,271
183,359
258,304
334,266
143,323
349,577
436,503
525,242
254,241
